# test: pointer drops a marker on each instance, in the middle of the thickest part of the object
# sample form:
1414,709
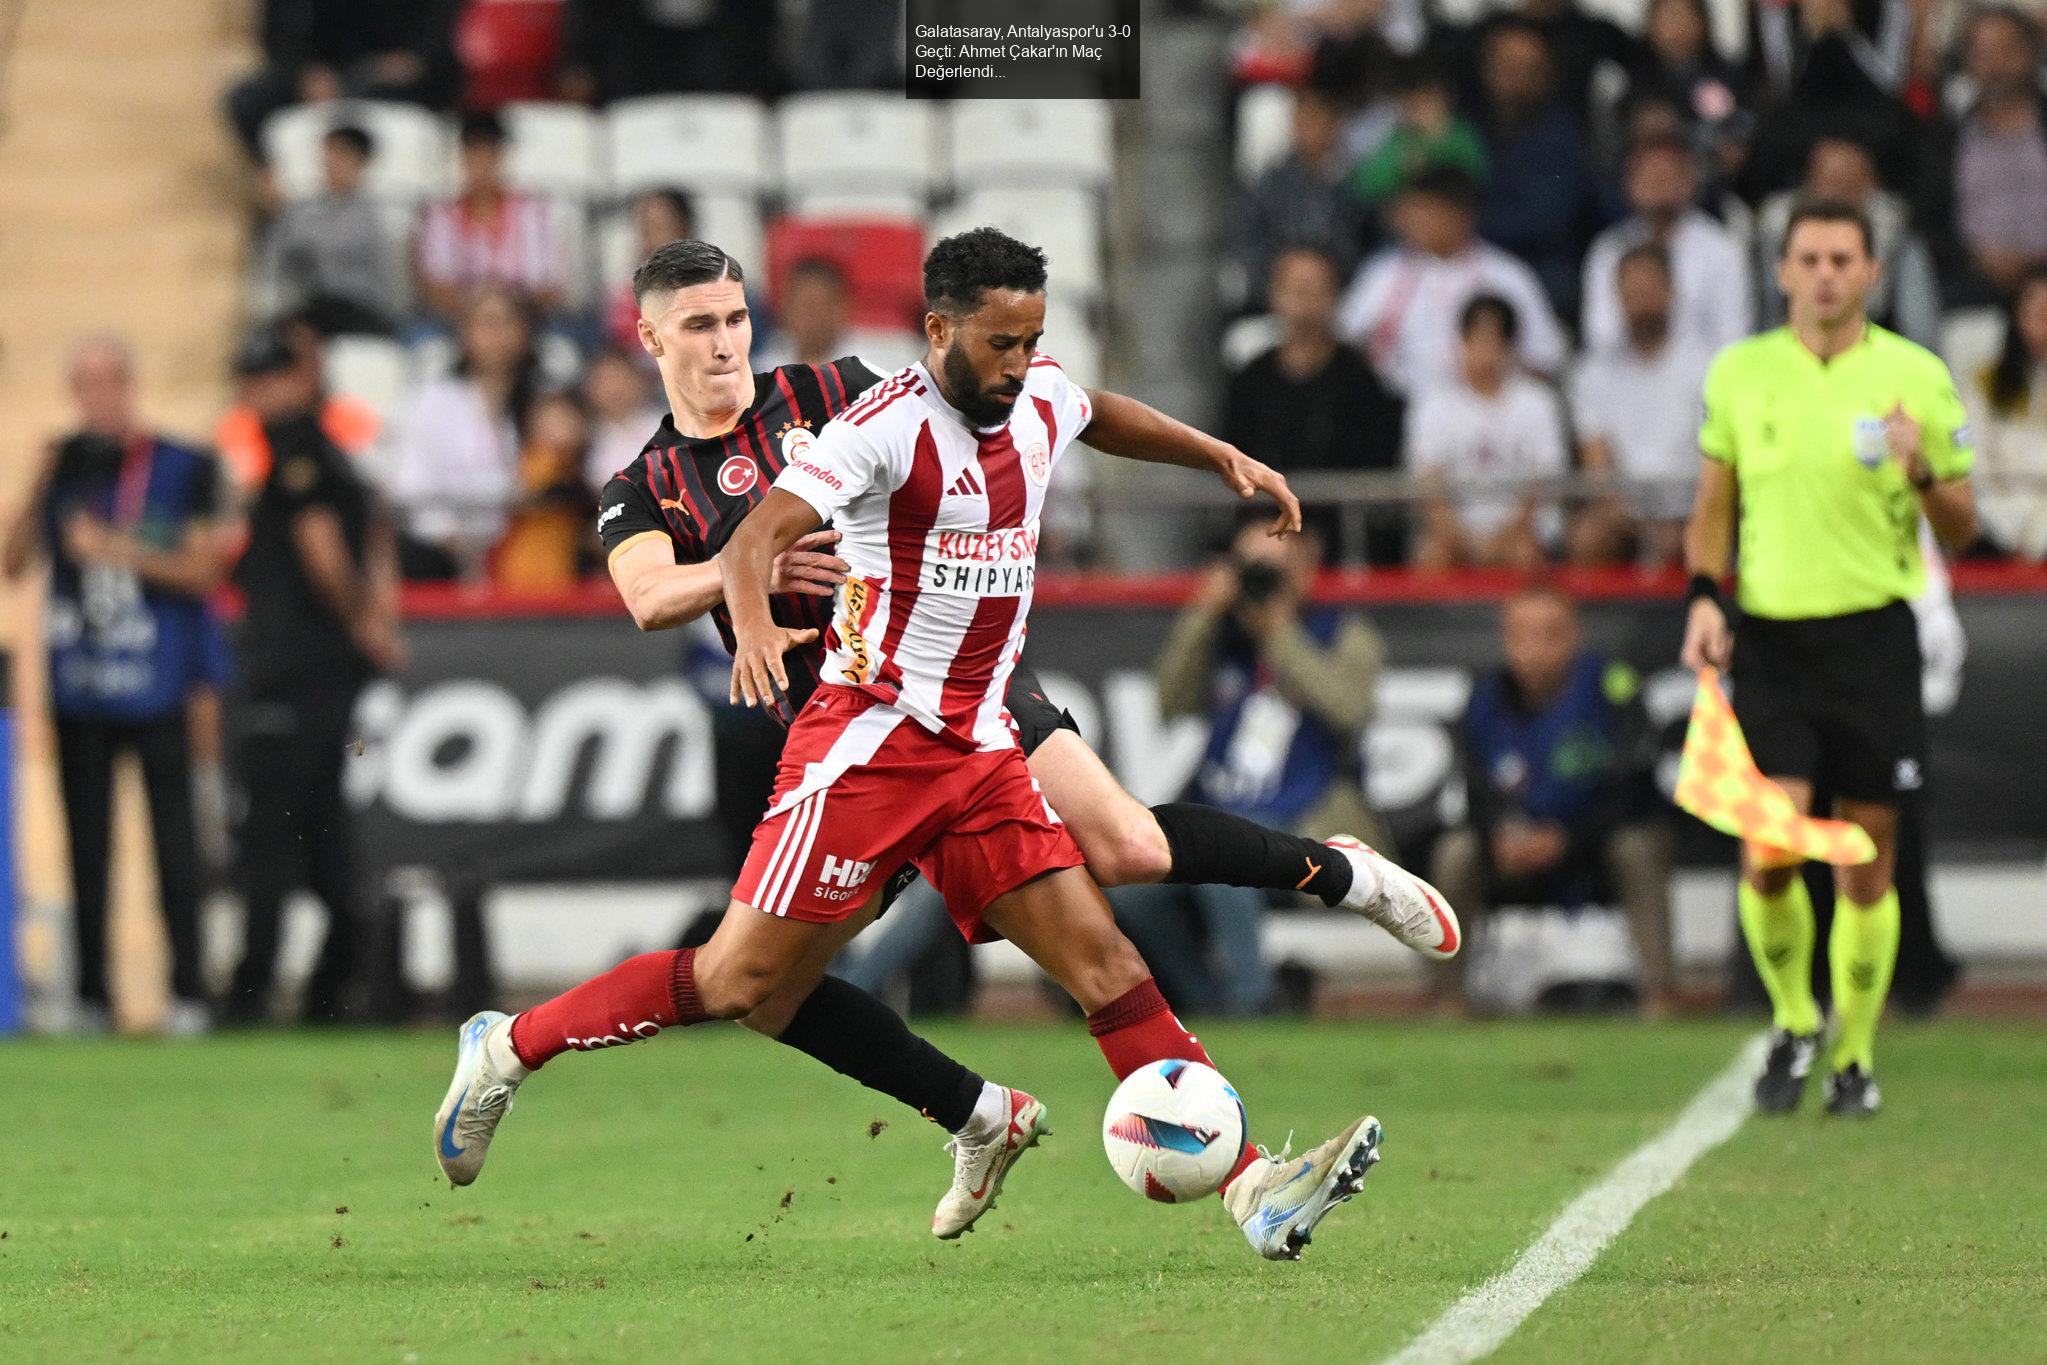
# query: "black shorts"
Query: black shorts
1834,700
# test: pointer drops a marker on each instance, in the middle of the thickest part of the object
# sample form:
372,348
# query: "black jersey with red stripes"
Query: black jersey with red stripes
695,491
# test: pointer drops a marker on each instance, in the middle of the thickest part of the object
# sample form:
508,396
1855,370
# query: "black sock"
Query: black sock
856,1035
1214,848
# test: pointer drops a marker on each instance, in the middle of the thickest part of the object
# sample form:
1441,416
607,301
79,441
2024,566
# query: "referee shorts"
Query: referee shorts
1834,700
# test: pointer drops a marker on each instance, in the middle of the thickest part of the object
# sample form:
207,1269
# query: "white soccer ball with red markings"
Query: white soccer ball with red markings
1174,1131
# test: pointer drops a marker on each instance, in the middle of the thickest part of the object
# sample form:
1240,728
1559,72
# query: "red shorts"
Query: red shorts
864,788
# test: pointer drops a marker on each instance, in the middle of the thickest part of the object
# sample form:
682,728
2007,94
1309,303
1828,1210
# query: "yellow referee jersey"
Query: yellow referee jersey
1829,524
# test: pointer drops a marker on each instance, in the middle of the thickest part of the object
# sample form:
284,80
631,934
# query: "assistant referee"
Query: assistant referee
1830,437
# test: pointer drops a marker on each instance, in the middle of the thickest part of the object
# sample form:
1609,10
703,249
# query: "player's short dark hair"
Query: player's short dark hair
1649,253
817,268
1490,306
966,265
682,263
1829,211
1451,184
356,139
483,127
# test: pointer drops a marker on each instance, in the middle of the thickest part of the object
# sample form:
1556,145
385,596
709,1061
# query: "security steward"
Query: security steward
320,580
1830,438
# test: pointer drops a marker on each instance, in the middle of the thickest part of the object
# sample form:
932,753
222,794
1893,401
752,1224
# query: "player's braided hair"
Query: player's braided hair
961,267
682,263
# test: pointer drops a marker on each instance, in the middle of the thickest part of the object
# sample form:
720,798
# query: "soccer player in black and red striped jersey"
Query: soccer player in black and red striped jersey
664,520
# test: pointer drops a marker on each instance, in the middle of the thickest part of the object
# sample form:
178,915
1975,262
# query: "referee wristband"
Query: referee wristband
1706,586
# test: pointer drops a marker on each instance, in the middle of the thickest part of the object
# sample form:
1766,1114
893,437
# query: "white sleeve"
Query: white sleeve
1542,337
842,463
1071,405
1545,436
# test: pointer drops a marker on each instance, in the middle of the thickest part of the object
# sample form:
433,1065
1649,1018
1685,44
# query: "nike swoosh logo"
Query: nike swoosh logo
1449,934
448,1147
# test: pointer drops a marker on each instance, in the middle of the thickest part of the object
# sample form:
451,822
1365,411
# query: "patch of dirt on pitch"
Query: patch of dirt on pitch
874,1128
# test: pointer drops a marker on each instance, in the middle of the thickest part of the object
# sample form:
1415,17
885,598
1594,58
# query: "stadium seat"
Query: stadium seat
882,260
701,142
1971,339
1072,340
844,203
1248,338
1005,142
557,149
1265,128
1065,223
733,221
858,141
373,369
887,349
414,156
572,221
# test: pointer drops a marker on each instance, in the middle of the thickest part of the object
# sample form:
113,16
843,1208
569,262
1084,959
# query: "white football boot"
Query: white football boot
1278,1202
978,1168
1397,901
487,1075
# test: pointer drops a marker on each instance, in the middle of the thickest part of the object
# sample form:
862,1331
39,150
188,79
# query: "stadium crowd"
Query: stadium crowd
1492,258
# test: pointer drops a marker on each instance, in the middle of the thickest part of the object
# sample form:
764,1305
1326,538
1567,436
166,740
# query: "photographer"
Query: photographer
1287,687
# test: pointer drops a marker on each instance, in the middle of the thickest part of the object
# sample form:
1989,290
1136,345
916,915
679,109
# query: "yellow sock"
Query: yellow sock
1862,950
1779,930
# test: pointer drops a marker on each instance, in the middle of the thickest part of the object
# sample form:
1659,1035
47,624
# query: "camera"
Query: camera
1258,582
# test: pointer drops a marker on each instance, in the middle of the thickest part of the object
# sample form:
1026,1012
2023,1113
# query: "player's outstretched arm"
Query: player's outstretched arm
662,594
759,677
1124,427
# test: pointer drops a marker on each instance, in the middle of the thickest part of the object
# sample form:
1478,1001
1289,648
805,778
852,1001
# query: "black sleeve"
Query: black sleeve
1484,808
855,374
625,510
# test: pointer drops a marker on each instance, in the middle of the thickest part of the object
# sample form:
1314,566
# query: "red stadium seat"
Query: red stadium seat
882,260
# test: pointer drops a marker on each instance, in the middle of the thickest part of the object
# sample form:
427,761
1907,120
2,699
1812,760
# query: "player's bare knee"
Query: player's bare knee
1133,852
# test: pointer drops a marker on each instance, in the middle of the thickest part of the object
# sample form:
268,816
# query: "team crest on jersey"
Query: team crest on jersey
1037,462
737,475
795,439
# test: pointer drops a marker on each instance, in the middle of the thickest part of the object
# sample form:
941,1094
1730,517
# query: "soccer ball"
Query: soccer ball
1174,1131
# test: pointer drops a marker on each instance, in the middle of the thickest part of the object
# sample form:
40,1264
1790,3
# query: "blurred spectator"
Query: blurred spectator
1832,51
1324,43
623,414
849,45
331,257
1636,405
1403,307
127,520
320,50
811,322
1312,402
1495,427
1906,295
1541,199
1287,687
1678,62
320,580
548,527
1710,268
349,422
1428,132
1577,45
615,49
1556,751
458,470
2000,174
2008,410
659,217
1300,201
488,233
508,50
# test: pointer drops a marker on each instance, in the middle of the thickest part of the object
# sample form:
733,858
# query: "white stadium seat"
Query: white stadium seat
1265,128
1064,223
572,221
557,149
1248,338
887,350
414,157
1970,339
858,204
1004,142
1072,340
859,141
700,142
374,369
733,221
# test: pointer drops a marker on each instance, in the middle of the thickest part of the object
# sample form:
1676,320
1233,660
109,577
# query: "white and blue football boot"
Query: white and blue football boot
1278,1202
487,1075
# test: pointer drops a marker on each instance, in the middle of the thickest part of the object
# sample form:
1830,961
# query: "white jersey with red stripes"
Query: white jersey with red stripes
939,521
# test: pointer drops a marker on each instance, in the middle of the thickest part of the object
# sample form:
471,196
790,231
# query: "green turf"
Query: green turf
710,1196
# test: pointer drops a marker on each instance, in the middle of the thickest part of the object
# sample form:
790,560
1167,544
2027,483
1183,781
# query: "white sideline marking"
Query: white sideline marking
1477,1324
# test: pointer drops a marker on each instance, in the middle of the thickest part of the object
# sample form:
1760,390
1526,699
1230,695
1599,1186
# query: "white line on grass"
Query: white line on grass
1478,1323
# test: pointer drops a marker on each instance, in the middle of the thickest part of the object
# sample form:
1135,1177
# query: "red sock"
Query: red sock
1138,1027
634,1000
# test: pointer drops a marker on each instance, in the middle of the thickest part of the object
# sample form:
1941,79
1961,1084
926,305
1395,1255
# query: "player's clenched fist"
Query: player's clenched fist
759,677
808,567
1708,641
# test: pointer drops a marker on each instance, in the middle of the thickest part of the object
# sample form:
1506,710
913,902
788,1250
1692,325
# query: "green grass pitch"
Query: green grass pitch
709,1196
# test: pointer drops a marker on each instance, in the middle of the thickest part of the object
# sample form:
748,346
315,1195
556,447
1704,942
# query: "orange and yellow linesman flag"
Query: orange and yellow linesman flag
1718,782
